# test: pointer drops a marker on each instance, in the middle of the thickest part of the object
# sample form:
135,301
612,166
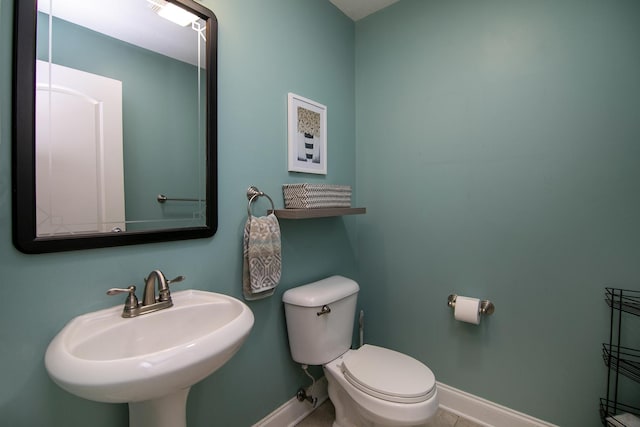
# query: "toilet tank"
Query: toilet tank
316,339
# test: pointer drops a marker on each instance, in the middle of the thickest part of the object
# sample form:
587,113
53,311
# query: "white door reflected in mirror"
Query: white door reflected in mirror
79,162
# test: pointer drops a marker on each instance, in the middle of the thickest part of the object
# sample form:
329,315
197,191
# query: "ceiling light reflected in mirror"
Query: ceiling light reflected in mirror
172,12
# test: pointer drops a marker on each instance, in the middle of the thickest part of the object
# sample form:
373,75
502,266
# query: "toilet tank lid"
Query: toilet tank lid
322,292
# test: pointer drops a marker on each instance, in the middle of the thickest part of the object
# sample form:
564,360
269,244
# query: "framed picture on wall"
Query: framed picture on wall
307,122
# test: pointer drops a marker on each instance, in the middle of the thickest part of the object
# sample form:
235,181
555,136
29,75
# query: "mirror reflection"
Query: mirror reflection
120,117
115,104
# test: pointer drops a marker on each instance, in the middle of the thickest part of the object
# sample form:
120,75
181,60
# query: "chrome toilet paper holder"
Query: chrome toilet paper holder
486,306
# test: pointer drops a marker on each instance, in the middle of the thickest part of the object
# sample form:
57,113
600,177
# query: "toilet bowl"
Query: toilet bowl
369,387
382,387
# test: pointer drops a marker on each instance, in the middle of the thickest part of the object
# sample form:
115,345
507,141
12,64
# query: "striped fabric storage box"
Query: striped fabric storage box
310,196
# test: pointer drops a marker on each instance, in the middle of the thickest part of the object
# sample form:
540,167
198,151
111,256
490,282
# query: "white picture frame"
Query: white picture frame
307,132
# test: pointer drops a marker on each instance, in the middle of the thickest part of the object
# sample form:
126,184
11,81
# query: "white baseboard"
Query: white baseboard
482,411
293,411
458,402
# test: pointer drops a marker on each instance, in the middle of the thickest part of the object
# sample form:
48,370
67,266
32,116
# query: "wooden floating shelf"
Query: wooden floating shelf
316,213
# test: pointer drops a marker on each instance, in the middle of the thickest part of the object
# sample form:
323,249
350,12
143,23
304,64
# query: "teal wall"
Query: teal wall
266,49
498,149
159,151
497,156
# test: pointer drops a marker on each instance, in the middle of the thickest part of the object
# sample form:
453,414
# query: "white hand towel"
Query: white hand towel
262,261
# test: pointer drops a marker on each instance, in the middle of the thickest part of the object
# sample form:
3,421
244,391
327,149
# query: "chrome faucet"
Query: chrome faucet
133,308
149,288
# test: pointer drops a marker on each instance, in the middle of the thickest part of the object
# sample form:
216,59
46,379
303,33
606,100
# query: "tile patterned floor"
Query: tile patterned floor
324,415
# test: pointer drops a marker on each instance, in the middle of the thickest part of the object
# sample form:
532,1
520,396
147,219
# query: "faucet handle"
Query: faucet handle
132,300
176,280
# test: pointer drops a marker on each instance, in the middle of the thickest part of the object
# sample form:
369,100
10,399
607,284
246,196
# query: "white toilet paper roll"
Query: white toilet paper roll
467,310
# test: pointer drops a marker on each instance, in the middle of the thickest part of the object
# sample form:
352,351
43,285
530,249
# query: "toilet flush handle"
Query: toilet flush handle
324,310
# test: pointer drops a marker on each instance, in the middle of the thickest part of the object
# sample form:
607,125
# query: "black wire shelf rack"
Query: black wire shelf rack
619,359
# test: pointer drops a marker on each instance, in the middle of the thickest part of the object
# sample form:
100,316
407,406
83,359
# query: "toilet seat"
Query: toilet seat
388,375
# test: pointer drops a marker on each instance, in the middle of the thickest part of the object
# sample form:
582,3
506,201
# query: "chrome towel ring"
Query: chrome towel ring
252,194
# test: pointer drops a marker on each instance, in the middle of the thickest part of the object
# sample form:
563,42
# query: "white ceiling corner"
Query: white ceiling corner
358,9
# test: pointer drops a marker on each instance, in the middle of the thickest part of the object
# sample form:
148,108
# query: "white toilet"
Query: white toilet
370,386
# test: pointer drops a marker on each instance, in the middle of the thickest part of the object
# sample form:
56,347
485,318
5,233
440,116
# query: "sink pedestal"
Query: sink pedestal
166,411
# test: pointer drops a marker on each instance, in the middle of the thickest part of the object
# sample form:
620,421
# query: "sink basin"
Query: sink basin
103,357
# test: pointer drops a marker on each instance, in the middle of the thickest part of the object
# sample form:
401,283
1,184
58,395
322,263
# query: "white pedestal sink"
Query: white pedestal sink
150,361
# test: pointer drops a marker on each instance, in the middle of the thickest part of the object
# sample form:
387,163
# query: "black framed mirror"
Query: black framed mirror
114,123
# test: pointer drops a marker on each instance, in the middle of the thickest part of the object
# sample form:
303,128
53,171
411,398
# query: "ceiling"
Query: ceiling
358,9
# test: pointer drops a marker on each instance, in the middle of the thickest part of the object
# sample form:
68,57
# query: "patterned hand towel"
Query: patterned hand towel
262,262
